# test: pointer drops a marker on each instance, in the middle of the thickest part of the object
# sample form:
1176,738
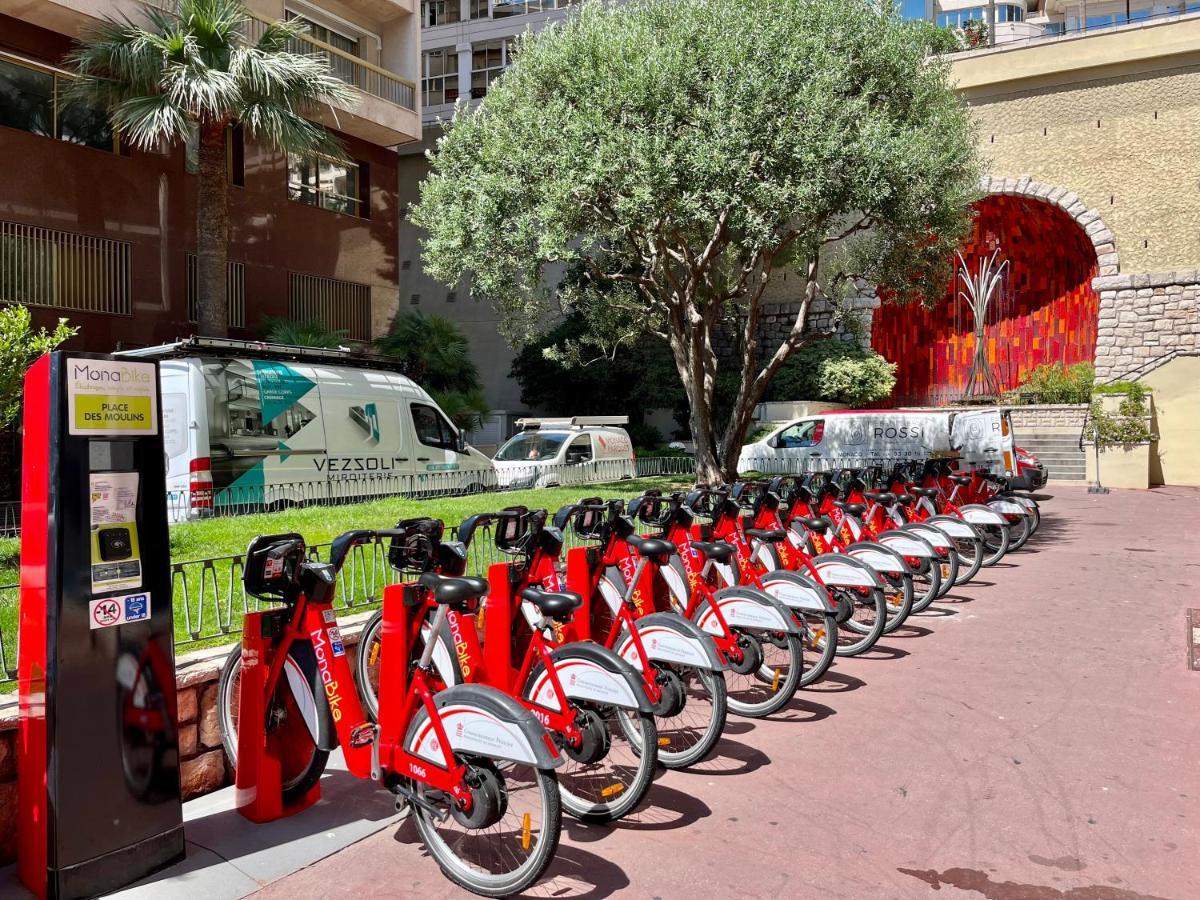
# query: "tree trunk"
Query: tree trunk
212,232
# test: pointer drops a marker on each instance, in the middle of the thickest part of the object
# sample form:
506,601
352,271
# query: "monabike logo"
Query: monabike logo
461,649
112,374
332,692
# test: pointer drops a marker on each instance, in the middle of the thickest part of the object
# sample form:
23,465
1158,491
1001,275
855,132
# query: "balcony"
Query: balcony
386,111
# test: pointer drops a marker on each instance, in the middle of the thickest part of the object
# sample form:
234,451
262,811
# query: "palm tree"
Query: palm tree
196,68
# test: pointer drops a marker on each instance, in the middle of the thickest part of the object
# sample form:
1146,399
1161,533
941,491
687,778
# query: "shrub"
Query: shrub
1059,383
280,330
1124,427
20,345
835,370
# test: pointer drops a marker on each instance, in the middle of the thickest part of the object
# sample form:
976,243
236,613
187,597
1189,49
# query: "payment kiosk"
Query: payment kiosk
98,767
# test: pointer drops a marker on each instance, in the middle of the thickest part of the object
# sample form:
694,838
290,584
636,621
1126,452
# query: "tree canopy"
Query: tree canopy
680,153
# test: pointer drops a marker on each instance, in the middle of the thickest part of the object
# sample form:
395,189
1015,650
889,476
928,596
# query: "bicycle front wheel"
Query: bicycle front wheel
770,686
996,540
899,594
927,585
699,705
820,643
301,762
517,842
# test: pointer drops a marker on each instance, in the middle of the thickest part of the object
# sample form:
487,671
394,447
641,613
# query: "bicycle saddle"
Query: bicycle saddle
906,499
820,523
885,497
961,479
457,592
651,546
924,491
715,551
769,535
853,509
554,605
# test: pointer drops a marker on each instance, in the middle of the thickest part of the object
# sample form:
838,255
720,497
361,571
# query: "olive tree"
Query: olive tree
681,154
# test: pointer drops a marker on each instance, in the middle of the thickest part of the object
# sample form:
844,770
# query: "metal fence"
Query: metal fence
10,518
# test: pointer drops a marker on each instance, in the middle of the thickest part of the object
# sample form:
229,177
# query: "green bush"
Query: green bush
20,345
1059,383
1126,426
834,370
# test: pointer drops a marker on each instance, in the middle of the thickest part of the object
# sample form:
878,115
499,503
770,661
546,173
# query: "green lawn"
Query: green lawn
212,617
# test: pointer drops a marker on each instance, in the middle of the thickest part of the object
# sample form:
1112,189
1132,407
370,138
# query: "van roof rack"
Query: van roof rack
211,346
571,422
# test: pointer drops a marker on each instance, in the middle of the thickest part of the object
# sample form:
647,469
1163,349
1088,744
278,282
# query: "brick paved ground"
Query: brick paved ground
1036,738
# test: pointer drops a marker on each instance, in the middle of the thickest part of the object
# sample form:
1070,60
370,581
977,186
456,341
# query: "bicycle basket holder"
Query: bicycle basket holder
414,550
272,561
512,525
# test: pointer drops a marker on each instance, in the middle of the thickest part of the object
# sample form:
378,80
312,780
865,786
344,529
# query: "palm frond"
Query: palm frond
282,130
299,80
277,36
147,121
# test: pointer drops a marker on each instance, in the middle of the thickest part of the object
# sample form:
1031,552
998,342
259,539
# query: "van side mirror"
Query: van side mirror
460,442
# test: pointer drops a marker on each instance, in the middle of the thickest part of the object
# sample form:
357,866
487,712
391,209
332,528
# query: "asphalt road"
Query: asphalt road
1035,738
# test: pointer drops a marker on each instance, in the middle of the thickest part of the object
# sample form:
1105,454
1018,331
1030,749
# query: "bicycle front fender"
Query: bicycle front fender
978,514
481,721
746,607
840,570
304,681
797,591
592,673
670,638
879,557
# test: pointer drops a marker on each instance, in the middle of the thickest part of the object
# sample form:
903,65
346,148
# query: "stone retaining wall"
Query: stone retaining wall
1145,317
202,769
1048,417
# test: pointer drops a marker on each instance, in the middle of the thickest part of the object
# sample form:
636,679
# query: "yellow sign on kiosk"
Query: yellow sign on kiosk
111,398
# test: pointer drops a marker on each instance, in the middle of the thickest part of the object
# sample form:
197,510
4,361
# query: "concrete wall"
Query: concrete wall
1177,419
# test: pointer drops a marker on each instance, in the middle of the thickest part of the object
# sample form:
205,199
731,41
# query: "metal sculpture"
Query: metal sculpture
978,290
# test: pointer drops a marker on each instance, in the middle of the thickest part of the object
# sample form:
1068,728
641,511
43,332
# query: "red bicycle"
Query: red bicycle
592,702
475,769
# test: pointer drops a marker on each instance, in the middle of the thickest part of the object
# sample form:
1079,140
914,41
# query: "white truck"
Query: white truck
252,425
981,437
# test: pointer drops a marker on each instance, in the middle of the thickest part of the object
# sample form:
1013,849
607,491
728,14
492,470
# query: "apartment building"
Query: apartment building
103,234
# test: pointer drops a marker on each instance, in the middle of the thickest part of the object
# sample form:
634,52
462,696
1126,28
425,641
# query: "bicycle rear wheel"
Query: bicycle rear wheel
866,621
507,855
301,761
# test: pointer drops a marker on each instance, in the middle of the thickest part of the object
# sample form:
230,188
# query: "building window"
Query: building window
480,9
33,98
439,76
235,291
439,12
64,270
505,8
488,60
338,305
320,181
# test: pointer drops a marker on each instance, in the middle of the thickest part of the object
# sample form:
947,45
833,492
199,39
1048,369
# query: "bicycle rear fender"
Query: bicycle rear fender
797,591
744,607
978,514
670,638
879,557
481,721
1008,507
592,673
955,527
304,680
937,537
907,544
840,570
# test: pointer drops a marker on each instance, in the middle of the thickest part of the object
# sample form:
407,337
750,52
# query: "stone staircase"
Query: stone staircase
1058,451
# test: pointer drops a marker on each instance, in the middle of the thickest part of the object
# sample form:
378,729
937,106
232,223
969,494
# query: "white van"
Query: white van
576,450
251,425
858,437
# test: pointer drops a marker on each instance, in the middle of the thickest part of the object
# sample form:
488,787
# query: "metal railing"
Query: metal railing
1095,24
10,519
63,269
367,77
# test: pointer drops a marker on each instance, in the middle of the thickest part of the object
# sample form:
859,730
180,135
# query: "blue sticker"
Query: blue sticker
339,649
137,607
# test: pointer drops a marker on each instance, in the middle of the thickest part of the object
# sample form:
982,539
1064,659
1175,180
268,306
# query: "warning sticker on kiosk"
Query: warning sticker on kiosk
109,611
111,398
116,557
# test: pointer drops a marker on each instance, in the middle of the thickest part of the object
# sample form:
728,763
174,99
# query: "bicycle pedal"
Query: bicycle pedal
362,735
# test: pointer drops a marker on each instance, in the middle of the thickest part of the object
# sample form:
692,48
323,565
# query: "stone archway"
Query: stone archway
1047,309
1103,241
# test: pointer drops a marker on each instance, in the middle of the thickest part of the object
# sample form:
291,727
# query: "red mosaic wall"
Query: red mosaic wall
1046,310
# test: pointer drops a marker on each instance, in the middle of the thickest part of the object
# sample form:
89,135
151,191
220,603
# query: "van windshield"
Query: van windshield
530,446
